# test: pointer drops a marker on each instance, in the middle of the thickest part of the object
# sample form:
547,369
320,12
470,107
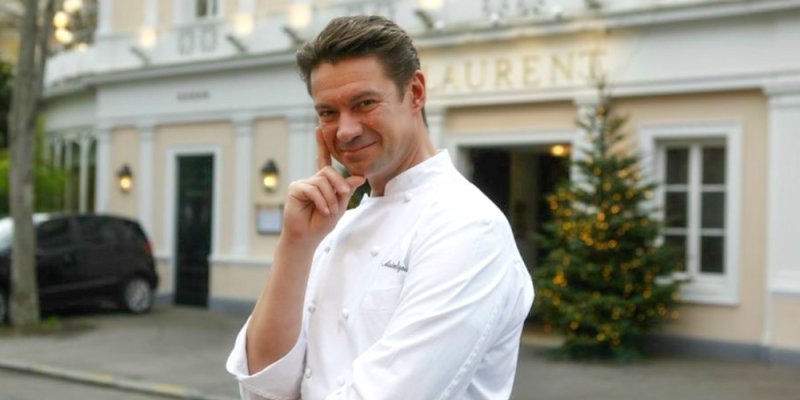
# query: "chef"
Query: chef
417,293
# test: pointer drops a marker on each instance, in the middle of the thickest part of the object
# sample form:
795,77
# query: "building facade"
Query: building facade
191,99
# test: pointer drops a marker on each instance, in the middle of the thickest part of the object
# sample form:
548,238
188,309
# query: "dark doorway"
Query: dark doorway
194,216
518,180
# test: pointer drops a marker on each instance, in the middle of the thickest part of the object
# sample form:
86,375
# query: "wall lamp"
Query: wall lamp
236,43
292,33
427,18
269,176
140,54
125,177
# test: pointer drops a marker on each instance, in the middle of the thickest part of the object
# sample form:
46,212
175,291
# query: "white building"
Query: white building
207,91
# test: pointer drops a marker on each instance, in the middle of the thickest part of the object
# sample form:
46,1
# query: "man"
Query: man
419,292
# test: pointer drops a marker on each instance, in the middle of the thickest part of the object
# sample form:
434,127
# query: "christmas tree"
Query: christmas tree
606,280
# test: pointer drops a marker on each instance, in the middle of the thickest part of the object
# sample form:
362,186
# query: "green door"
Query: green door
194,216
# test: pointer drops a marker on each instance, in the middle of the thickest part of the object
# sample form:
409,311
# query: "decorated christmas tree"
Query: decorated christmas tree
606,280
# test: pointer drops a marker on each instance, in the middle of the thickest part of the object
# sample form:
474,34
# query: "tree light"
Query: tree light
72,6
60,20
64,36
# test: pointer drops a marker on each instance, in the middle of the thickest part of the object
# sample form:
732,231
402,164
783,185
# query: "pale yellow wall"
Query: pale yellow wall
786,322
166,17
744,321
268,7
181,137
166,275
124,149
524,117
9,46
270,141
128,16
237,282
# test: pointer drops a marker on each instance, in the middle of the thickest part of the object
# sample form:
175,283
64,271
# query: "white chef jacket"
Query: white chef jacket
418,294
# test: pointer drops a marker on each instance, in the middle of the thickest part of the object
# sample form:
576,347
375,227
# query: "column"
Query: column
244,181
68,205
436,119
783,172
143,184
302,145
103,169
83,186
105,16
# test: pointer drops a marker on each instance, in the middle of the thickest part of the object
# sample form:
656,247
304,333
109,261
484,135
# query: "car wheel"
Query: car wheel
137,295
3,307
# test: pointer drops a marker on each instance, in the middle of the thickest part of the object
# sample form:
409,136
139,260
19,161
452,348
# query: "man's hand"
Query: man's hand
315,204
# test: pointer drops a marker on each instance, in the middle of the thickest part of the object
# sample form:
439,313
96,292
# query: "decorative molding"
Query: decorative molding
171,199
242,211
783,169
103,169
708,290
144,182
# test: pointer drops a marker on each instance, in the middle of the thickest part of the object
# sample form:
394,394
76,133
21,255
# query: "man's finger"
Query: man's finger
323,154
354,182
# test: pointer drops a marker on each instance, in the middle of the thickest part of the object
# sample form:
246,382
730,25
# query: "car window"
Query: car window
6,233
97,231
54,233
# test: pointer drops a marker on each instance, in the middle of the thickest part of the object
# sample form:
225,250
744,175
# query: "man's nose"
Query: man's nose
349,128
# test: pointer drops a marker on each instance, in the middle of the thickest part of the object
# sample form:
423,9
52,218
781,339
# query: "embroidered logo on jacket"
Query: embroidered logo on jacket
395,266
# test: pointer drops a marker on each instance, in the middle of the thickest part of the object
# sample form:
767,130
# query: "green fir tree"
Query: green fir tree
606,282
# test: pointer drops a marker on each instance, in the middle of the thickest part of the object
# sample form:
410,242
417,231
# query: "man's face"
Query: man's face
365,123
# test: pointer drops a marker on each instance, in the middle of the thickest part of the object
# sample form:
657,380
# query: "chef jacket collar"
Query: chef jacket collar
415,176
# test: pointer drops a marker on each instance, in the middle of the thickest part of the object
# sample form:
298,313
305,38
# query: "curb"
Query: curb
111,381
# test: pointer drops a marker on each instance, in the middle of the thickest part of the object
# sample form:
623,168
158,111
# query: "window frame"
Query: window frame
185,13
655,139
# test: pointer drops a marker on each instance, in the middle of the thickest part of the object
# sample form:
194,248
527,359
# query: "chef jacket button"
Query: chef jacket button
345,313
308,373
312,307
374,251
327,249
407,197
340,380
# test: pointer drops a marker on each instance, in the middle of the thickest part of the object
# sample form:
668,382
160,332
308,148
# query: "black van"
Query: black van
85,258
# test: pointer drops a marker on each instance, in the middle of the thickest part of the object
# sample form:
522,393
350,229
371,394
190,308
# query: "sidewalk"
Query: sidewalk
180,353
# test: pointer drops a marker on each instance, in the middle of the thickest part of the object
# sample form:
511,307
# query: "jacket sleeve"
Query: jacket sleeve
278,381
465,286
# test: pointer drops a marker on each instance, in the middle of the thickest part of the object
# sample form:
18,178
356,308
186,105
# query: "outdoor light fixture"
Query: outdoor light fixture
299,18
426,13
269,176
559,150
125,177
140,54
236,42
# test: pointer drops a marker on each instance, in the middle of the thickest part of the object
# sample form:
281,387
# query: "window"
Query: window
205,9
699,203
54,234
97,231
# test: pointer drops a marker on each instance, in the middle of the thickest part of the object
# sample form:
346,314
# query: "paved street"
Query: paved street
17,386
185,348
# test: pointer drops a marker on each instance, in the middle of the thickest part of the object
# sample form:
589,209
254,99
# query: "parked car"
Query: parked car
85,258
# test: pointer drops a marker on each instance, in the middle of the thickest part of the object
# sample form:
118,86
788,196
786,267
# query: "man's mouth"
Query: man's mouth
356,149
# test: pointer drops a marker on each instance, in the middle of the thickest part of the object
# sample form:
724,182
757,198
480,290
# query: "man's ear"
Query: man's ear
418,91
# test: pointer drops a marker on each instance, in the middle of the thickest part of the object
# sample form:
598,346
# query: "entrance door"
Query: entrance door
194,216
518,180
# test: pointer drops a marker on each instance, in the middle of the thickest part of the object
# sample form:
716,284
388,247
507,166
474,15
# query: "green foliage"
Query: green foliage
605,282
49,181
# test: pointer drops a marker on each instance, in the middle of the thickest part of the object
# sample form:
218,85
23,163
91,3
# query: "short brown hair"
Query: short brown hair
362,36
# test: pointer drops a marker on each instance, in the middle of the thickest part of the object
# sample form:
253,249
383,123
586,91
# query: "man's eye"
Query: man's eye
325,114
366,103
